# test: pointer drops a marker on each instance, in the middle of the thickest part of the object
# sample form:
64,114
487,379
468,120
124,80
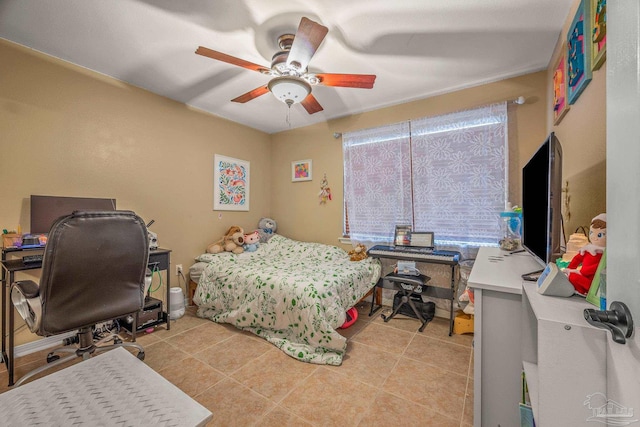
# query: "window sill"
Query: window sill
344,240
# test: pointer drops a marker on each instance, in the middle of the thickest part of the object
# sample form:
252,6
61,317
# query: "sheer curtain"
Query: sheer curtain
446,174
460,174
377,182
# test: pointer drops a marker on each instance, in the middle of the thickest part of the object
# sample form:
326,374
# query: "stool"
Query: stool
407,286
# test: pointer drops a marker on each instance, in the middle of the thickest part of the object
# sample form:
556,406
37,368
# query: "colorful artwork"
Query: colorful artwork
578,53
301,170
598,33
231,184
560,104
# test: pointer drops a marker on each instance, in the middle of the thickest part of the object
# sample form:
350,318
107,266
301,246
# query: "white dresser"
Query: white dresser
564,357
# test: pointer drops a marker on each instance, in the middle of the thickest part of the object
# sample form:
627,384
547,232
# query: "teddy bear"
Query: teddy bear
266,229
358,253
232,241
251,241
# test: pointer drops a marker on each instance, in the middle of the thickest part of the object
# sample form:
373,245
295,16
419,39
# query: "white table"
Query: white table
114,388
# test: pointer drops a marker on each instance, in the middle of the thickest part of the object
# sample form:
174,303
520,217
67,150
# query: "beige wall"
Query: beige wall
67,131
295,205
582,133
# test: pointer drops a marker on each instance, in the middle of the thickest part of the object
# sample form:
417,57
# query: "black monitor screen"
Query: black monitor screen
45,210
541,189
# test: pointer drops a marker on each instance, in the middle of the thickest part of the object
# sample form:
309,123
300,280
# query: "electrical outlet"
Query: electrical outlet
178,269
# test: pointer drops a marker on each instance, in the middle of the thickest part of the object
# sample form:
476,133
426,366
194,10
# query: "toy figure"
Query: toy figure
251,241
588,256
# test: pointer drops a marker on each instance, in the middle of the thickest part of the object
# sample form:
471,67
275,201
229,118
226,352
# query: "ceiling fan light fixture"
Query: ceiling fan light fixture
290,90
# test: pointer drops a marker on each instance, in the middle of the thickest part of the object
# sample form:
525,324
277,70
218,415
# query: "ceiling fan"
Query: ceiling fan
292,82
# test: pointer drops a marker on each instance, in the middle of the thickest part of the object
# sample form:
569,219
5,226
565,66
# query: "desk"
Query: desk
427,290
113,388
158,258
497,284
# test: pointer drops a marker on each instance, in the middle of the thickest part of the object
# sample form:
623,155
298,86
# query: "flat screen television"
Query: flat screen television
46,209
541,202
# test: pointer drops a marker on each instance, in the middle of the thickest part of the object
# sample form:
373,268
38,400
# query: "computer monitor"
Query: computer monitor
45,210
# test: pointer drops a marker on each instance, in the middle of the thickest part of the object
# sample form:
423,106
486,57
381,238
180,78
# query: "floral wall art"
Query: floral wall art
230,184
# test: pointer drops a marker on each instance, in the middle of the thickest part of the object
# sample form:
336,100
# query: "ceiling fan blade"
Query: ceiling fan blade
311,104
307,39
363,81
259,91
231,59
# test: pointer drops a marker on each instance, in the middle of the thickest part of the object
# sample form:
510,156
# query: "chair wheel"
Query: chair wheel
52,357
117,340
141,355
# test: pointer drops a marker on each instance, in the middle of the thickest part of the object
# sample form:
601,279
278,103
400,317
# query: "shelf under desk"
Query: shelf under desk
427,290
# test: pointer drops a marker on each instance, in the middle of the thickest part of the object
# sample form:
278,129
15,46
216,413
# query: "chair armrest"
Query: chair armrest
28,288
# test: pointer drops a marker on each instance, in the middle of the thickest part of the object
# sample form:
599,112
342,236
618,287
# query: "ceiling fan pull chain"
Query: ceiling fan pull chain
289,115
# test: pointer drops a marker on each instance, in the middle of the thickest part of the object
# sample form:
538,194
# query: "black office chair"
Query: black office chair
93,271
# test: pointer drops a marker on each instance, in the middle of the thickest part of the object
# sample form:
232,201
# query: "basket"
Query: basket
11,240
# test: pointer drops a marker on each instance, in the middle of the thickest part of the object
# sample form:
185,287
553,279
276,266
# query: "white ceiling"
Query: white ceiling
417,48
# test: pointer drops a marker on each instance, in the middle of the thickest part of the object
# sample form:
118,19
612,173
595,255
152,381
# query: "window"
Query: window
445,174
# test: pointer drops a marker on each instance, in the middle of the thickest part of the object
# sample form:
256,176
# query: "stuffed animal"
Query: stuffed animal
588,257
266,228
358,253
467,295
232,241
251,241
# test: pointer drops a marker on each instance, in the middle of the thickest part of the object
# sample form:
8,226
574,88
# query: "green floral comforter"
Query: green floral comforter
294,294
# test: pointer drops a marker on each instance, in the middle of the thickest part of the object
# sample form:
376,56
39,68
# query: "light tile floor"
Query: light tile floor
392,374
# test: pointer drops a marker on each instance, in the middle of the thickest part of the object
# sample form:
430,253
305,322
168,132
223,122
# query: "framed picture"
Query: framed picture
230,184
301,170
560,104
579,52
598,33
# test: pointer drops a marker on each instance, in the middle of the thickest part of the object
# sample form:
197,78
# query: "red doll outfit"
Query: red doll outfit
589,256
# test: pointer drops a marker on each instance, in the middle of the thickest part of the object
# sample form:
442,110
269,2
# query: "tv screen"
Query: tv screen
45,210
541,204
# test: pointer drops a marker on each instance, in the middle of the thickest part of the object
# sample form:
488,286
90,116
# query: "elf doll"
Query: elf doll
588,256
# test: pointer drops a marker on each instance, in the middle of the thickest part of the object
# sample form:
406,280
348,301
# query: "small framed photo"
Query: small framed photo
230,184
301,170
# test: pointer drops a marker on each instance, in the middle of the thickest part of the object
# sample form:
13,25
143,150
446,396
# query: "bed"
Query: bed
293,294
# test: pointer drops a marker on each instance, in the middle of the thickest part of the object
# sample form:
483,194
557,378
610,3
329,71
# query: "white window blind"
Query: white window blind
446,174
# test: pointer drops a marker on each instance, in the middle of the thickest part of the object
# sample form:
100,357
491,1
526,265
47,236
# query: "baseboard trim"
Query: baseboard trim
41,344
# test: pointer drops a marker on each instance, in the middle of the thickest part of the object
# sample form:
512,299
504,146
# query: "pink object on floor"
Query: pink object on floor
352,316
